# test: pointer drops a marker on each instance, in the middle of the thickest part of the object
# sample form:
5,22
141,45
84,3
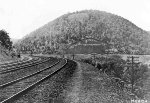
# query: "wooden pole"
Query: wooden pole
133,62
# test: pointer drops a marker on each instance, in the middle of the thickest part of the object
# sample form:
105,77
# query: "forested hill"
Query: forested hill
83,28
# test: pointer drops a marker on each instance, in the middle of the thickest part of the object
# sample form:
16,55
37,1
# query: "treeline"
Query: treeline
6,46
5,40
84,27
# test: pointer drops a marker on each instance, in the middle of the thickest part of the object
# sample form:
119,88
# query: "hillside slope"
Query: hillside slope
88,27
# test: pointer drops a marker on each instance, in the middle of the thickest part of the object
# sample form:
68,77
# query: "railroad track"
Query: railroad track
14,81
10,76
24,65
21,65
28,82
18,63
15,62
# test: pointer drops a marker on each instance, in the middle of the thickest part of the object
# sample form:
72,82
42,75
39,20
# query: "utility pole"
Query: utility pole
133,61
73,55
107,52
94,57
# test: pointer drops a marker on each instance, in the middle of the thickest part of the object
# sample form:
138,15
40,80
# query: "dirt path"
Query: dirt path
73,96
87,87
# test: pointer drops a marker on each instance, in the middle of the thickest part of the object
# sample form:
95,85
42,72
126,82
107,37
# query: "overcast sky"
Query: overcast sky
20,17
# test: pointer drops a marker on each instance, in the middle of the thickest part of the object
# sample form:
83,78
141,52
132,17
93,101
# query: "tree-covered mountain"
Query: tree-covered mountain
88,27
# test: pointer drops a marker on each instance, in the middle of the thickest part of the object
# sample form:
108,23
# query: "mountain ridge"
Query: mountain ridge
84,26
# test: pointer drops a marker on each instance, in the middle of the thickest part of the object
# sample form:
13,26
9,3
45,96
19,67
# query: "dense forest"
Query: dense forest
99,29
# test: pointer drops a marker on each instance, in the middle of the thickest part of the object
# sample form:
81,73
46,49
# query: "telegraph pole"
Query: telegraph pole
106,52
133,60
73,55
94,58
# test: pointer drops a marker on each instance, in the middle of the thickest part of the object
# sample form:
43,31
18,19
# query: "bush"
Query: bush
99,66
104,67
89,61
13,54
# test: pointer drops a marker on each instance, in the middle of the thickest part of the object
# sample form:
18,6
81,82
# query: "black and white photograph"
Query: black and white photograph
74,51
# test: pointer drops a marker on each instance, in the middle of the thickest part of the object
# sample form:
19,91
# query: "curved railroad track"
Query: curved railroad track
6,67
19,73
24,84
15,62
20,62
23,65
32,74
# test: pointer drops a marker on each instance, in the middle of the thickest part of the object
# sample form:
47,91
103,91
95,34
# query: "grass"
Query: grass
145,59
147,88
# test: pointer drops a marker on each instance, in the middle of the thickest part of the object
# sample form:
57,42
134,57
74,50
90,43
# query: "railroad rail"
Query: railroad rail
19,62
46,74
16,61
14,81
25,65
15,74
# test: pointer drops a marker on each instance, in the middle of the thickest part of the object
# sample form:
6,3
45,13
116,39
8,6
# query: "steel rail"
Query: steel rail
14,62
23,66
15,96
14,81
19,63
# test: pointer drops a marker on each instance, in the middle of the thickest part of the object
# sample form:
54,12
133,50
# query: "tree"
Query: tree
5,40
134,77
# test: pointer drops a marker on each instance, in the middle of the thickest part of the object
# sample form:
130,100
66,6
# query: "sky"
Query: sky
20,17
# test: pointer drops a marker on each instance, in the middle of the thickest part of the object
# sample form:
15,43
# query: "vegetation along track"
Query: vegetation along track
23,65
15,89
